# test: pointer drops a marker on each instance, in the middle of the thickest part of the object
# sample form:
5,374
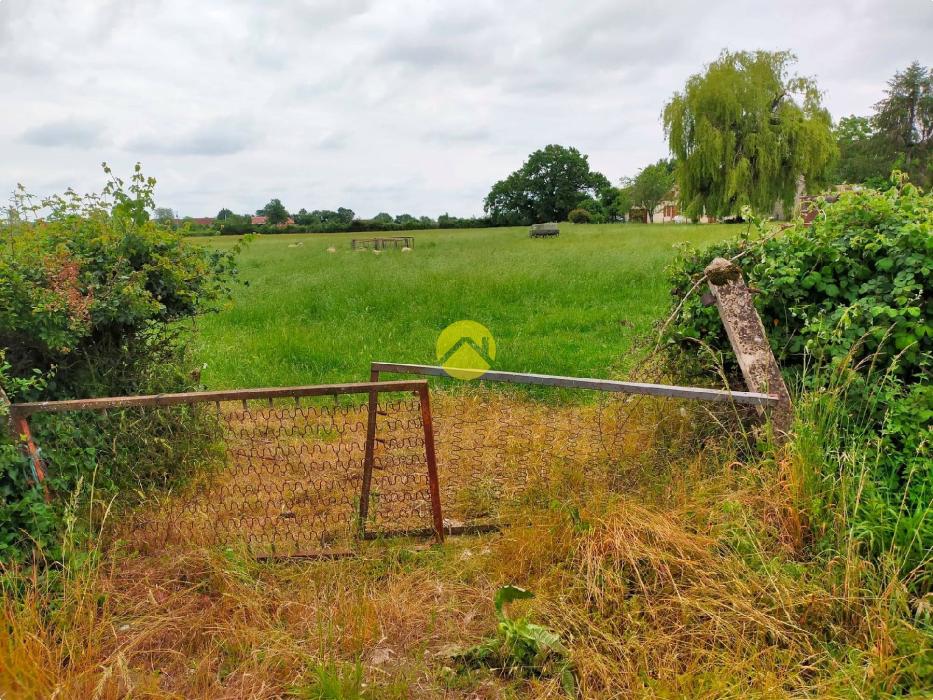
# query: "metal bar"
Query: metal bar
677,392
22,433
369,452
433,482
26,409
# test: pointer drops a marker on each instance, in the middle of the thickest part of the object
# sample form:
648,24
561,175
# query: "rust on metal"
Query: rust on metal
496,453
371,417
431,457
242,395
23,435
279,470
452,530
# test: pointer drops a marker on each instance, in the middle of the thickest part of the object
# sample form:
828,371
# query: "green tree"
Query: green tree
904,118
745,131
608,204
863,154
580,216
275,212
383,218
165,216
623,200
595,208
548,185
652,185
224,214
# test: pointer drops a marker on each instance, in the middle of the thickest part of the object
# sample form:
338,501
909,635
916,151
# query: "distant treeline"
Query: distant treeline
341,221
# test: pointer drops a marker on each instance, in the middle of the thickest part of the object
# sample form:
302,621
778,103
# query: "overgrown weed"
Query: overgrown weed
714,582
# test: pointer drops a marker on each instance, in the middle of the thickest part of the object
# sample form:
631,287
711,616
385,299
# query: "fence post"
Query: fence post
749,340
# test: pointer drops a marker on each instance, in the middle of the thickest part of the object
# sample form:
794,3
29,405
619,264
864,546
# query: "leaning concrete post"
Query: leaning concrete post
748,338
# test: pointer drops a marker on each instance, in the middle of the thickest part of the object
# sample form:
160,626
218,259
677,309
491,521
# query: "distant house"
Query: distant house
638,215
667,211
206,221
263,220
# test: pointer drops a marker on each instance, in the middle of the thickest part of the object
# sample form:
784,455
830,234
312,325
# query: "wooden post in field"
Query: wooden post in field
749,340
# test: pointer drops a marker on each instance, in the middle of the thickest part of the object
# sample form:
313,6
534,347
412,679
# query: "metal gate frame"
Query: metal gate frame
664,390
20,412
377,369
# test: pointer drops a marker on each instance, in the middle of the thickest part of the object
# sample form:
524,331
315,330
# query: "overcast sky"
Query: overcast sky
389,105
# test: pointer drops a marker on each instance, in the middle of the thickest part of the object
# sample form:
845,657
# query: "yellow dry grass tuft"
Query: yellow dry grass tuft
692,581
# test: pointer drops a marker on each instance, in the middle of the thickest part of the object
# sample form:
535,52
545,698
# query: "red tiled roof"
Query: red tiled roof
263,220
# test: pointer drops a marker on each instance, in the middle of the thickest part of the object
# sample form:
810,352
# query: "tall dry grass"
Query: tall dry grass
699,580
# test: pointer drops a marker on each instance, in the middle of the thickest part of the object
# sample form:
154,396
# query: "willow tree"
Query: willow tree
745,132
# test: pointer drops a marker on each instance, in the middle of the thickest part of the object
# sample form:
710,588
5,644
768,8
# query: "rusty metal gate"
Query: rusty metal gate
297,472
300,473
496,453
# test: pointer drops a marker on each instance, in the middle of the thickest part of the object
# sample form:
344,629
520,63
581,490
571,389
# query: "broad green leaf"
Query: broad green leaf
507,594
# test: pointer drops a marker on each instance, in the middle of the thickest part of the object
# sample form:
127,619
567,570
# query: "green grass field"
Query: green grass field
571,305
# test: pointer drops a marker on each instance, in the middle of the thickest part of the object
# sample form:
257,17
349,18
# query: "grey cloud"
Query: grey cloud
73,133
427,52
217,138
440,98
465,134
333,141
386,187
453,36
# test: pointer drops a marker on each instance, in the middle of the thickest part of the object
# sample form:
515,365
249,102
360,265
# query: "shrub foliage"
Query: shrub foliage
856,280
93,300
847,307
579,216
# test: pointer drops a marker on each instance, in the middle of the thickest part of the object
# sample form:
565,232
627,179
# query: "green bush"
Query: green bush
579,216
846,304
857,277
94,299
895,513
864,459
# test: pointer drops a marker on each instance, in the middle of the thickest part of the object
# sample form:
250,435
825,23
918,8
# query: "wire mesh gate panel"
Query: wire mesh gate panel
497,451
291,471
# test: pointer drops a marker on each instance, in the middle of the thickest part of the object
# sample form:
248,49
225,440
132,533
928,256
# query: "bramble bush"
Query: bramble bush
95,300
858,276
847,307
